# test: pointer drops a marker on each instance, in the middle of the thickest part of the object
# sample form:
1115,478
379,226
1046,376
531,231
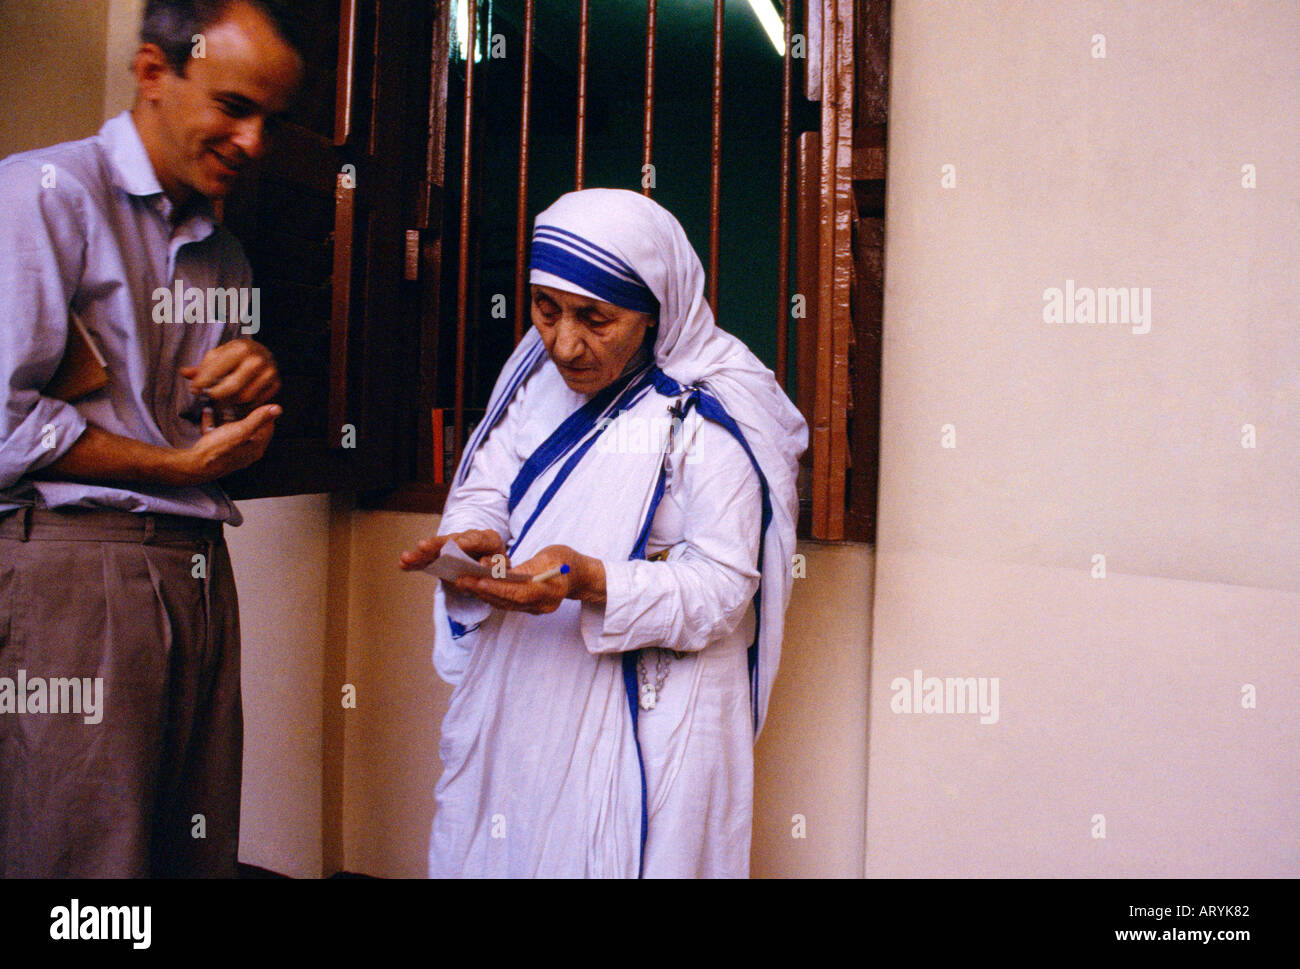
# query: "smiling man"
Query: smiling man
113,564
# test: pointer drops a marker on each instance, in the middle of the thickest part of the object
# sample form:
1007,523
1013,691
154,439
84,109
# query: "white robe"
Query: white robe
541,775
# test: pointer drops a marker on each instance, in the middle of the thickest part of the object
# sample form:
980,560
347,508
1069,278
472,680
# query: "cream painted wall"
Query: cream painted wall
810,780
123,38
392,762
51,71
1121,698
283,571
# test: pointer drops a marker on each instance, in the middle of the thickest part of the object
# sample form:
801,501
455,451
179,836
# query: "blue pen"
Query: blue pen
551,573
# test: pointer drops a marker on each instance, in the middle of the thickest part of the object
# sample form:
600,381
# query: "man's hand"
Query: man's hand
584,581
99,455
230,447
240,374
481,544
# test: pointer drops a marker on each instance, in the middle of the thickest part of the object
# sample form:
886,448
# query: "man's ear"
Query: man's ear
150,67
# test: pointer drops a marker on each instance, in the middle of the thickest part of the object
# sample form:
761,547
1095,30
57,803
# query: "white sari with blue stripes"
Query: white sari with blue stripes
550,767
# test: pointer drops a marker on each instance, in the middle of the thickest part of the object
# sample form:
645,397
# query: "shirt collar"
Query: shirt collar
133,173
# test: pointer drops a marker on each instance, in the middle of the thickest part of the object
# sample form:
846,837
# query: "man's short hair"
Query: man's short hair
172,24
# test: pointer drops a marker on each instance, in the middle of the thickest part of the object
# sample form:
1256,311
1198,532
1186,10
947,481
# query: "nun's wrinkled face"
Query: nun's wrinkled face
589,341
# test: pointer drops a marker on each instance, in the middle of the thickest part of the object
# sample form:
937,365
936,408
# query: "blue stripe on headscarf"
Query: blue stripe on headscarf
553,233
584,271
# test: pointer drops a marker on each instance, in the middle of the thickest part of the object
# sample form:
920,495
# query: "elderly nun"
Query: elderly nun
603,719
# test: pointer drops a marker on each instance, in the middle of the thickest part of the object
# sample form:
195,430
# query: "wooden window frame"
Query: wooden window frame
389,240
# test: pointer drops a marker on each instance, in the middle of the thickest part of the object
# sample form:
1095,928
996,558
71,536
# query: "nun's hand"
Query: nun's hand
585,580
481,544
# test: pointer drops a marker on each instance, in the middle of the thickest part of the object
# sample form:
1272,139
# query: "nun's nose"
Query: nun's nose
568,340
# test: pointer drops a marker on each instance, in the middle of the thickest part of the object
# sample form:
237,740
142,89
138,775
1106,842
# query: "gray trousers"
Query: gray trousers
145,782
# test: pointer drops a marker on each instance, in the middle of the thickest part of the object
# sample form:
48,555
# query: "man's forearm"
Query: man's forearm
100,455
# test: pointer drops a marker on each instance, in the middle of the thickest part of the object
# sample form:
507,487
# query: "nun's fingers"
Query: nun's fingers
487,590
425,551
534,598
479,542
469,585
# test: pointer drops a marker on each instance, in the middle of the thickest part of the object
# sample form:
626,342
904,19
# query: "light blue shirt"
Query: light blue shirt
85,228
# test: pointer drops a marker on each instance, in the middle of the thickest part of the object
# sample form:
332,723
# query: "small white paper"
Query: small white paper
452,563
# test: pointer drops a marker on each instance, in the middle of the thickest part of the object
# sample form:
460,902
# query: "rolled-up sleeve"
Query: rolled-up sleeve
702,590
42,249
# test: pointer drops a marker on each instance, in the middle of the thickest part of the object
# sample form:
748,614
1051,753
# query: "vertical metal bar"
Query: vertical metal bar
462,269
346,72
340,306
651,11
783,249
715,156
580,171
521,214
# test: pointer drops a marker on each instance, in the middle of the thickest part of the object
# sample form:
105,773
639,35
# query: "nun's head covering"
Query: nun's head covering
623,248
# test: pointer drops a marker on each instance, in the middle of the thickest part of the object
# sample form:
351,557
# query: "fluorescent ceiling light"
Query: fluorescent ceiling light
765,10
462,31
